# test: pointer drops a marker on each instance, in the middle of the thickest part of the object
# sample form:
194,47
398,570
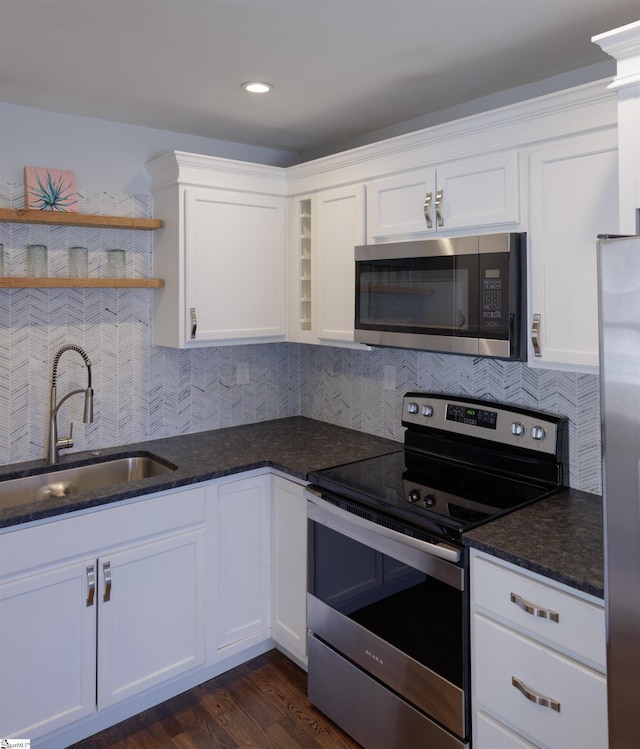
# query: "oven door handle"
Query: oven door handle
436,559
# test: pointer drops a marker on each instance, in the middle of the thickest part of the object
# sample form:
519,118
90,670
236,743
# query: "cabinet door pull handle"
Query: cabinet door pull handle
535,335
106,570
91,584
538,699
194,322
439,217
534,610
427,209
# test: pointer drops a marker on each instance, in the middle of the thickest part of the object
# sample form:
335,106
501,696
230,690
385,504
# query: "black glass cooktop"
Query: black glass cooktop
443,497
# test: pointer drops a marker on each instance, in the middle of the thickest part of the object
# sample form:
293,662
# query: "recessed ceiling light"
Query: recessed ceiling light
257,87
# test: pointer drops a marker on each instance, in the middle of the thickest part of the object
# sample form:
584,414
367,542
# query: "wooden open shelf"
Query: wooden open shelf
81,283
23,216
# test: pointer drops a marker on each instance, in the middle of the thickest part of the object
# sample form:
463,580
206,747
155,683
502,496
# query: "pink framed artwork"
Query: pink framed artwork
50,190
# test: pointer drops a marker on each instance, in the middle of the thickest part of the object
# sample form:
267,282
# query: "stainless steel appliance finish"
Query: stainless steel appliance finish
619,299
462,295
375,718
387,602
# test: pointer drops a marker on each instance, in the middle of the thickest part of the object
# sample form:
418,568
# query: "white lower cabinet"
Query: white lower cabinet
289,567
135,600
537,663
490,733
241,548
151,621
47,650
121,612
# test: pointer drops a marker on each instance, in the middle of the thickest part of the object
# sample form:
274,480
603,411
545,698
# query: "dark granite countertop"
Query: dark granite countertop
560,537
294,445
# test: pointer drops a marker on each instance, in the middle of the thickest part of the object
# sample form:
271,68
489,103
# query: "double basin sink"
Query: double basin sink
99,473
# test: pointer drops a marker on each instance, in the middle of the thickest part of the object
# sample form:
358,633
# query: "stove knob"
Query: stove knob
427,411
414,496
429,500
412,408
517,429
538,433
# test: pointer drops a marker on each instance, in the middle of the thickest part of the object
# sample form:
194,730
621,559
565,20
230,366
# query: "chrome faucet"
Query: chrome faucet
55,444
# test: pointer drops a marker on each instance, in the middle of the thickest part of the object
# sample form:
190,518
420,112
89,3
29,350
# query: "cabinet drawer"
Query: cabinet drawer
522,602
112,525
488,734
502,655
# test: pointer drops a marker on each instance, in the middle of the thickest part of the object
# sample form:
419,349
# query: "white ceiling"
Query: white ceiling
341,68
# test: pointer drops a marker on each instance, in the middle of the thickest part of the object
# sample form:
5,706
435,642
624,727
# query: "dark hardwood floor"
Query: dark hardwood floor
261,704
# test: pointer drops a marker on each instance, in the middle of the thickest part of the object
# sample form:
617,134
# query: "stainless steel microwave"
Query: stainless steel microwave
457,295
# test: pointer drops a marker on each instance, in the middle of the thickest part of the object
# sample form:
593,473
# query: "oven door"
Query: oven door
388,637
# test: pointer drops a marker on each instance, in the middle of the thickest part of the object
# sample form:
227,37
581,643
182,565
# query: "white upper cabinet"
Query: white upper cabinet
325,228
573,198
222,251
339,228
462,195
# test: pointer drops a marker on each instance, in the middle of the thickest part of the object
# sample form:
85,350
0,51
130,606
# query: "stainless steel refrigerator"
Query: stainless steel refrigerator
619,300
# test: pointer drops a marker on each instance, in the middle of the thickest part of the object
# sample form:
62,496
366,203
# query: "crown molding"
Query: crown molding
623,44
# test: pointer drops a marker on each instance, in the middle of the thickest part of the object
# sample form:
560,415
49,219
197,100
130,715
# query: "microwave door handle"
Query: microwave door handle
427,210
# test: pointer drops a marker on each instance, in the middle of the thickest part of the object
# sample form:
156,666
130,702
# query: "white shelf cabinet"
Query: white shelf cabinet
301,267
463,195
326,227
530,640
222,250
75,644
573,198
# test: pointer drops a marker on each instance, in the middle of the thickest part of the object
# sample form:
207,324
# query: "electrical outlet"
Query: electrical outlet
242,373
389,377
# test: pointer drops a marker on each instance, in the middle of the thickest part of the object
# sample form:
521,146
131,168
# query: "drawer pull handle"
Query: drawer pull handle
530,608
538,699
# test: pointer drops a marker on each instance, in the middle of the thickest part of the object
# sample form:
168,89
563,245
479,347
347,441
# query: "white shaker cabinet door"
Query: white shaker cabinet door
289,574
47,649
573,198
401,206
151,614
235,266
459,197
339,228
242,542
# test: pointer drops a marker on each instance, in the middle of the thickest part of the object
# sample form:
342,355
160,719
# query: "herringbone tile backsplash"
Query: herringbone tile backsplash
144,391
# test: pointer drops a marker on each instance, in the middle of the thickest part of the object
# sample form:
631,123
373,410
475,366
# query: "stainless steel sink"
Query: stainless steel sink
95,475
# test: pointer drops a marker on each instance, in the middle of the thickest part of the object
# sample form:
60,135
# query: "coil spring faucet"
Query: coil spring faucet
55,444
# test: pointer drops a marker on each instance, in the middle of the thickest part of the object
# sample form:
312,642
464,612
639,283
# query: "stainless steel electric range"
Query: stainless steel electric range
387,601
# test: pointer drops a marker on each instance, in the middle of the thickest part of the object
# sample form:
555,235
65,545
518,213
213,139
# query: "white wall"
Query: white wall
105,156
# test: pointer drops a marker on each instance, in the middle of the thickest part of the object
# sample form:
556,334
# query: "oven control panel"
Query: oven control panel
504,424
